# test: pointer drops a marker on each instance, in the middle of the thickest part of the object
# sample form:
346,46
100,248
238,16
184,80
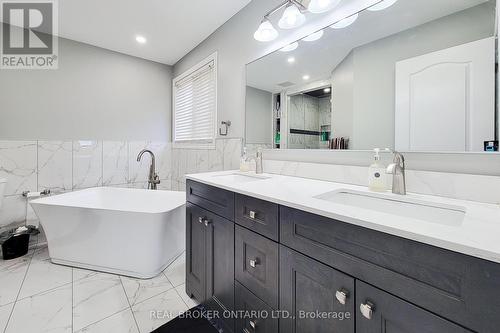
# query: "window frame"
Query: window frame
196,144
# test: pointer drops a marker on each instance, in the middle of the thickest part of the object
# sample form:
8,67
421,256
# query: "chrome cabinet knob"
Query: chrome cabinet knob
207,223
253,324
367,309
201,219
254,262
341,296
252,214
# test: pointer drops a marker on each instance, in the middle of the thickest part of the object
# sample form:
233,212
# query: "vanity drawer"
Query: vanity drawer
452,285
216,200
257,215
378,311
248,302
256,265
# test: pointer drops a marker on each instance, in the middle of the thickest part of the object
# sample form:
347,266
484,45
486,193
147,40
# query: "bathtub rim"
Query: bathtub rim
46,202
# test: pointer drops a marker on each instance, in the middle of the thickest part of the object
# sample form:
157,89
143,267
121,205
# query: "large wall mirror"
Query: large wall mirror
419,76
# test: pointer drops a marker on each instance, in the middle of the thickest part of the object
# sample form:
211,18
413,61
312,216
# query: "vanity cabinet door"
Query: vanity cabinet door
220,267
318,298
380,312
210,261
195,253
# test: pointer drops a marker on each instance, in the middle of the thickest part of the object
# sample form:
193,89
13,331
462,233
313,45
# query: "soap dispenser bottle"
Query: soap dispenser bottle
244,164
377,179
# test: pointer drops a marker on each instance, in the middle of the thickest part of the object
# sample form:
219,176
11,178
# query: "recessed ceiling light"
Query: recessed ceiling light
291,60
306,77
313,37
290,47
345,22
382,5
327,90
140,39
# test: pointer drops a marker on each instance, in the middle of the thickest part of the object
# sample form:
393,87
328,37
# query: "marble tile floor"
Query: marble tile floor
37,296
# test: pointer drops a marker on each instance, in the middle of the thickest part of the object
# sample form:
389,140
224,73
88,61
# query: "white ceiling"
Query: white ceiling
318,59
172,27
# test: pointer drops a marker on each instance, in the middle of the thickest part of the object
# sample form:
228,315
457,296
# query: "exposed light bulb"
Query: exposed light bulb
313,37
290,47
266,32
382,5
292,17
291,60
321,6
140,39
327,90
306,77
345,22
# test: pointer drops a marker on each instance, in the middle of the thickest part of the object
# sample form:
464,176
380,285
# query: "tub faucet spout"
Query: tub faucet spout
153,179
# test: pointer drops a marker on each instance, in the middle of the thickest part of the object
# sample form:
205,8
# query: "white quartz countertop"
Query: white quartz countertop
478,235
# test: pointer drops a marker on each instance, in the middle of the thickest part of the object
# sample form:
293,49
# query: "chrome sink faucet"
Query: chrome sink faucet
154,179
397,169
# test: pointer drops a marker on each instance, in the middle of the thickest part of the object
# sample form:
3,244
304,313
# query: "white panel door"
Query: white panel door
445,100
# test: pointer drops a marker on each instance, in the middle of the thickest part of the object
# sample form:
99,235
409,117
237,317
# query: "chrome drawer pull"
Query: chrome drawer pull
367,310
341,296
253,324
254,262
252,214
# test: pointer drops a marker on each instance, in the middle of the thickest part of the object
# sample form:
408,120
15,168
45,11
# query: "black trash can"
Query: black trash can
15,246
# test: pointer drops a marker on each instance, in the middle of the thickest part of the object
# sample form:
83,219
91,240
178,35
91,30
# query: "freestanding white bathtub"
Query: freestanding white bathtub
122,231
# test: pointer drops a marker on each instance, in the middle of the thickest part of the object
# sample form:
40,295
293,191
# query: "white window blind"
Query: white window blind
195,106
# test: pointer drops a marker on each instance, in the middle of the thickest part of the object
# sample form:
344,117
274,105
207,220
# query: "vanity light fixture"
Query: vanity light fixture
382,5
306,77
345,22
140,39
322,6
292,17
290,47
266,32
291,60
313,37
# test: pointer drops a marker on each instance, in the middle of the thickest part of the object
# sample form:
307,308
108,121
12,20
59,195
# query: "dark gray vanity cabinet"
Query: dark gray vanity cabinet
309,289
318,274
380,312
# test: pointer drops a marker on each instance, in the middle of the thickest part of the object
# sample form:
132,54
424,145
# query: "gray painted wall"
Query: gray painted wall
95,94
259,116
236,47
369,97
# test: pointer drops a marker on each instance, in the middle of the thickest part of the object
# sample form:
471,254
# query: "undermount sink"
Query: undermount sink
399,206
242,177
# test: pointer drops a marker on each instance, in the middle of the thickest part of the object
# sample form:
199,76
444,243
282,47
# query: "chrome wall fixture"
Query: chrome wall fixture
293,17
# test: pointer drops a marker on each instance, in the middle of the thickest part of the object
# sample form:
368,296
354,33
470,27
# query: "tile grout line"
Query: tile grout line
19,291
130,305
175,288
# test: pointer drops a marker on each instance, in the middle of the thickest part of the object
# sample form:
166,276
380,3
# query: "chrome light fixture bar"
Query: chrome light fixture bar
292,17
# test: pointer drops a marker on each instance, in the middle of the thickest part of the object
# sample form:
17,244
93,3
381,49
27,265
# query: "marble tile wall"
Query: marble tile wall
308,113
71,165
225,156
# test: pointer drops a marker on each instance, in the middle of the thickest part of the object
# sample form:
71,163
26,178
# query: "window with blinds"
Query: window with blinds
195,104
